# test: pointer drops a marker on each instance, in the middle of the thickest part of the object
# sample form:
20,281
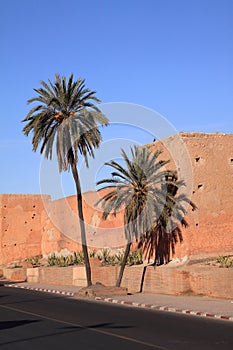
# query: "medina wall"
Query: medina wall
210,230
33,224
212,160
61,230
20,226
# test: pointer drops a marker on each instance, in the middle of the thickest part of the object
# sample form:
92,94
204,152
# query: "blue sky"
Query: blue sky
171,56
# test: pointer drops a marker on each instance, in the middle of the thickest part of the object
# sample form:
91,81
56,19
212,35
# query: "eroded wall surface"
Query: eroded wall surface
32,225
210,228
61,230
20,233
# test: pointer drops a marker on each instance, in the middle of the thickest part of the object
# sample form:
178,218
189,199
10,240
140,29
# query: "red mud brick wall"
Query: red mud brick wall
201,280
20,234
210,230
61,230
29,227
54,275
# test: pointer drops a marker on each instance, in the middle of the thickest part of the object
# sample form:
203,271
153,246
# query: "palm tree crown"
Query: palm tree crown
139,188
66,114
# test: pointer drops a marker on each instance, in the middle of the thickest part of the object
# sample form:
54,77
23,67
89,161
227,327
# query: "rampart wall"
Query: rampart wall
20,226
210,230
32,225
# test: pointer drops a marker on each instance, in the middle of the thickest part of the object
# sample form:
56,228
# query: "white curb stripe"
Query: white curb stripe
127,303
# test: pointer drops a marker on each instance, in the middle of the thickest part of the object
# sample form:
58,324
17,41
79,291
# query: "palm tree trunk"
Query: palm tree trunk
81,223
124,261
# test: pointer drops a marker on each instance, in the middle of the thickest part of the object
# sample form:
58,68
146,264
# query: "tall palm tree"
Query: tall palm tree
65,115
160,240
139,188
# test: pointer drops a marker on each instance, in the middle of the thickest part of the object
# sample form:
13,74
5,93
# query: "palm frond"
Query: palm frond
66,115
148,193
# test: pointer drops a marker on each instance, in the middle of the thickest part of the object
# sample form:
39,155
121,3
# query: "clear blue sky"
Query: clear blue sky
172,56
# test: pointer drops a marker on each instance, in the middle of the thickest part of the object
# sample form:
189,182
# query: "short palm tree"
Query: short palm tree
160,240
66,116
139,188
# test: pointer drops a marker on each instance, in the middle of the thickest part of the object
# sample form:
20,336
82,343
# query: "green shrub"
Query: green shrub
119,258
79,258
52,259
108,259
225,261
135,258
34,260
92,253
76,258
17,266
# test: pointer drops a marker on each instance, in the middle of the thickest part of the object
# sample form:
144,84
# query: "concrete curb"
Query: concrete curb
130,303
165,308
71,294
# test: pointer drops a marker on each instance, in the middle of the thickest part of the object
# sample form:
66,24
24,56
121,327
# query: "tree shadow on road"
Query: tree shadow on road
12,324
109,325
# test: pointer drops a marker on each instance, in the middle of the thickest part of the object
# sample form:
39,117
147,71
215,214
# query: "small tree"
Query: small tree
141,189
66,115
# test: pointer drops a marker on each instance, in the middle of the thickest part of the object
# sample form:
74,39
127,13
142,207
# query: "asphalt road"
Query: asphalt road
35,320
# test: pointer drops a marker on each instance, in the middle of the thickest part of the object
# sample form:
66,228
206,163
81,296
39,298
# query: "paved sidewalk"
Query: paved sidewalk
194,305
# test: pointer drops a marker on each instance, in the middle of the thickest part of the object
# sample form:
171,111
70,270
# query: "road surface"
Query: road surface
36,320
